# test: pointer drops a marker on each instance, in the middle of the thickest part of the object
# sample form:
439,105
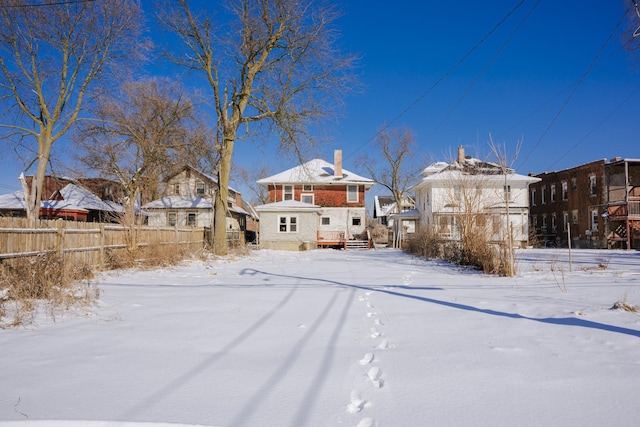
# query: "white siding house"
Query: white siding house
447,192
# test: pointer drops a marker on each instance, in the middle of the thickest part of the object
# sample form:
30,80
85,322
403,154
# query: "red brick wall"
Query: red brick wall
324,195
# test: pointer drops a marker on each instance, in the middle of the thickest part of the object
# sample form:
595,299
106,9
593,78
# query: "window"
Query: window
565,221
326,220
172,219
287,224
535,221
352,193
543,190
200,188
356,221
287,192
564,190
574,183
533,197
176,189
507,192
594,220
544,222
306,198
495,224
593,185
574,216
192,219
307,187
553,192
553,222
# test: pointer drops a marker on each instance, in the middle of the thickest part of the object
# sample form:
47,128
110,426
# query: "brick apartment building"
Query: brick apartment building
589,204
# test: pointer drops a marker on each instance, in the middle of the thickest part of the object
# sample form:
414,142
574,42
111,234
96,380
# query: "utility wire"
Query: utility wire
57,3
581,140
444,76
484,70
575,89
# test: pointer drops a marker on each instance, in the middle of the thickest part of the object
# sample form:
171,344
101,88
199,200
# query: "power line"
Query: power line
606,117
575,89
57,3
444,76
486,67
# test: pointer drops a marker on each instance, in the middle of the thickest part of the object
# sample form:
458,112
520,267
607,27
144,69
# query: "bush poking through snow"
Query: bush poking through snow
625,306
44,281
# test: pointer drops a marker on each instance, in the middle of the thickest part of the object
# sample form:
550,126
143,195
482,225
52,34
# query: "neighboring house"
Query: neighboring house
386,212
314,204
449,192
64,198
189,202
596,204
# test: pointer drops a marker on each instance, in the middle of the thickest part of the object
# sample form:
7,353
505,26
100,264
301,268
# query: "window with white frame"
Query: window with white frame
325,220
553,222
306,198
565,192
307,187
172,219
574,216
352,193
533,197
565,221
544,222
553,192
192,219
594,220
593,189
200,188
287,192
507,192
534,220
543,191
287,224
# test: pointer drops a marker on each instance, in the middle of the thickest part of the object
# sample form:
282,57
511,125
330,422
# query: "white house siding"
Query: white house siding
304,238
160,217
342,219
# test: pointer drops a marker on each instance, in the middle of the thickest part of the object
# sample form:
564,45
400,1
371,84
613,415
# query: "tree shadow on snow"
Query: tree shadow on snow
566,321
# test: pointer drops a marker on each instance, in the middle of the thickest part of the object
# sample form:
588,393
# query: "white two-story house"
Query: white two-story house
494,197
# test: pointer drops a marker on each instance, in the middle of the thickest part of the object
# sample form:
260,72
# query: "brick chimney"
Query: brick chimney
461,156
337,163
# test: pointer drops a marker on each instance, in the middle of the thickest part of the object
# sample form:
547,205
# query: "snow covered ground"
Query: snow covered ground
338,338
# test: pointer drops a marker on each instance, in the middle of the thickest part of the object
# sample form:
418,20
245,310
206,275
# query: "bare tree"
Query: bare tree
50,57
397,170
140,135
269,61
249,176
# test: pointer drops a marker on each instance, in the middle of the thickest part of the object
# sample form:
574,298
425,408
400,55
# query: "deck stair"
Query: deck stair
357,244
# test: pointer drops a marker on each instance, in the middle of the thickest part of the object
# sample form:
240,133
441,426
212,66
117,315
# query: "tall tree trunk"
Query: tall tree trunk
221,207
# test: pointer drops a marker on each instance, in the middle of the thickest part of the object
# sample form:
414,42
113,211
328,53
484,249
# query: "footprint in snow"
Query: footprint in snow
356,403
366,359
384,345
378,322
369,305
375,333
374,375
371,314
367,422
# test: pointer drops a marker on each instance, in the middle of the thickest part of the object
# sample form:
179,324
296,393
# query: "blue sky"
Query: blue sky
519,85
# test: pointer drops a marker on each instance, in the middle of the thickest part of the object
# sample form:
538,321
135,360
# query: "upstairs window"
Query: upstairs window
352,193
306,198
287,192
176,189
553,193
593,188
307,187
543,192
200,188
533,197
564,190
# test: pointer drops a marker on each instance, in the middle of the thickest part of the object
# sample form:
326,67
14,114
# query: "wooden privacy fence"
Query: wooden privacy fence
88,243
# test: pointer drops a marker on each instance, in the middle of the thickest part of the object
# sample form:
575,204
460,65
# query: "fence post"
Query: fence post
60,238
102,239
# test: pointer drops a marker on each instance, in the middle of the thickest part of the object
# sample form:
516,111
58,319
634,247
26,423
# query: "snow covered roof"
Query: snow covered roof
410,214
73,197
179,202
84,199
316,171
287,205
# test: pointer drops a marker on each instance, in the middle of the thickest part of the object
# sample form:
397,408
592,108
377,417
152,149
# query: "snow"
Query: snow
338,338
